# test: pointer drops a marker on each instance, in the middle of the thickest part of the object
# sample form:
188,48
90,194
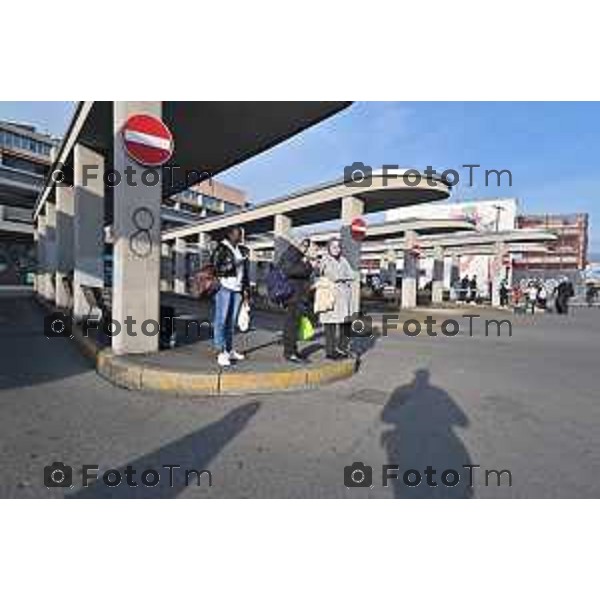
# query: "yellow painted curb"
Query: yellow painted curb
162,380
124,373
331,372
232,383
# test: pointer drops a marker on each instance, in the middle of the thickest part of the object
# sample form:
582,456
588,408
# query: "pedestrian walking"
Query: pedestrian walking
503,293
532,293
564,292
542,297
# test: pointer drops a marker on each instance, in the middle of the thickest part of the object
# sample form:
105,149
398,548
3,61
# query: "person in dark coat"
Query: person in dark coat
296,266
503,293
230,263
473,289
564,292
464,287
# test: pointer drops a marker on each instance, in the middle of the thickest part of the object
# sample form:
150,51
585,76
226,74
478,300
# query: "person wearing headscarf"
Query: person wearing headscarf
336,322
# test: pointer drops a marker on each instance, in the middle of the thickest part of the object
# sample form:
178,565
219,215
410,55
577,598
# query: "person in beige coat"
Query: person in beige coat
336,324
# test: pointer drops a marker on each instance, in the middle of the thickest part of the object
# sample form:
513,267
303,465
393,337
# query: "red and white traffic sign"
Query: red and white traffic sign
147,140
358,229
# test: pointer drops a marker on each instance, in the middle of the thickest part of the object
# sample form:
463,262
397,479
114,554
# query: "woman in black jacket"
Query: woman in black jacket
231,268
297,268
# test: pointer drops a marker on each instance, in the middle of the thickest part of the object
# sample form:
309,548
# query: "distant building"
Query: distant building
204,199
25,160
567,253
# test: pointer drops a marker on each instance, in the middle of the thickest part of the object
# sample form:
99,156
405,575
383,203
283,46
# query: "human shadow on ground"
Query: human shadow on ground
422,419
194,451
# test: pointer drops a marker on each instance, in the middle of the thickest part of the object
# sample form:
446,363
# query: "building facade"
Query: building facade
25,160
205,199
568,253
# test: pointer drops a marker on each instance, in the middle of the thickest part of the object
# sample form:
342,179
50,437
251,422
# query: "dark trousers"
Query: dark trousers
293,312
337,337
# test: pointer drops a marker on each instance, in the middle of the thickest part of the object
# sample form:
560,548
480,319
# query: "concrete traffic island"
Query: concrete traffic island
193,371
190,369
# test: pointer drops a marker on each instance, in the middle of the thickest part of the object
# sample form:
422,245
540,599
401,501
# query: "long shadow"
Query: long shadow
194,451
422,419
27,356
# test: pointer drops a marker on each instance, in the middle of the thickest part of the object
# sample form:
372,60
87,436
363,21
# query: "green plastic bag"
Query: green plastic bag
306,331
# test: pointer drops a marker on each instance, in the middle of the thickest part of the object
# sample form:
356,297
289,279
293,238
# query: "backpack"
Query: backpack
278,285
206,281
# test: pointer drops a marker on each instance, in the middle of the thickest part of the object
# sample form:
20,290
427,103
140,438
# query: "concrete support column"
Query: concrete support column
65,259
36,245
50,252
253,267
166,268
204,245
454,268
136,257
391,273
41,278
437,279
88,226
282,229
497,271
351,208
410,271
180,266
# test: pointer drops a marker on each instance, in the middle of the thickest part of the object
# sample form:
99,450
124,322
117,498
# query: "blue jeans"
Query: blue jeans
227,306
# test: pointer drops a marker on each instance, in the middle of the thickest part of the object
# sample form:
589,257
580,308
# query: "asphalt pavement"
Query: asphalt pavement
527,405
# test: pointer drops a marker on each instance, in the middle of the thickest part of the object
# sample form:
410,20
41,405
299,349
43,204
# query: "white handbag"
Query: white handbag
243,321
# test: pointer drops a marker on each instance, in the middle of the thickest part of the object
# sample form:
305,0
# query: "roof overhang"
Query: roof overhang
209,136
481,241
386,231
320,204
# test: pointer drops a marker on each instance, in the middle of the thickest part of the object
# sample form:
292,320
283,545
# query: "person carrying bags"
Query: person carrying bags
333,300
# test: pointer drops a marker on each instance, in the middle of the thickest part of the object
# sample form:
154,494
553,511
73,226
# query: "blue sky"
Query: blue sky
551,148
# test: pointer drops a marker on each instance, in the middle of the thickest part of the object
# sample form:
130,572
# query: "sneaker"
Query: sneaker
233,355
294,358
223,359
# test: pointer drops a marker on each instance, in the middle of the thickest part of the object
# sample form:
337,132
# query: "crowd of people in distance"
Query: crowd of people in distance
307,287
467,289
536,294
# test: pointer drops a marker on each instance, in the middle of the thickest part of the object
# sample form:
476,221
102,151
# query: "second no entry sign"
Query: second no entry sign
358,229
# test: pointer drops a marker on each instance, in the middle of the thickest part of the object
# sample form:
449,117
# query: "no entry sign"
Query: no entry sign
358,229
147,140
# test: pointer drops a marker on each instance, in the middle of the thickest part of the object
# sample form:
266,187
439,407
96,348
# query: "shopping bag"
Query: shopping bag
306,331
243,321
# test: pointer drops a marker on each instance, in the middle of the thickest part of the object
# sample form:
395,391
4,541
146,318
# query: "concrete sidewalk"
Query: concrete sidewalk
190,368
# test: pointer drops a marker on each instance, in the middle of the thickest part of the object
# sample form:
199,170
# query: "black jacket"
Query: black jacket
223,261
296,269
